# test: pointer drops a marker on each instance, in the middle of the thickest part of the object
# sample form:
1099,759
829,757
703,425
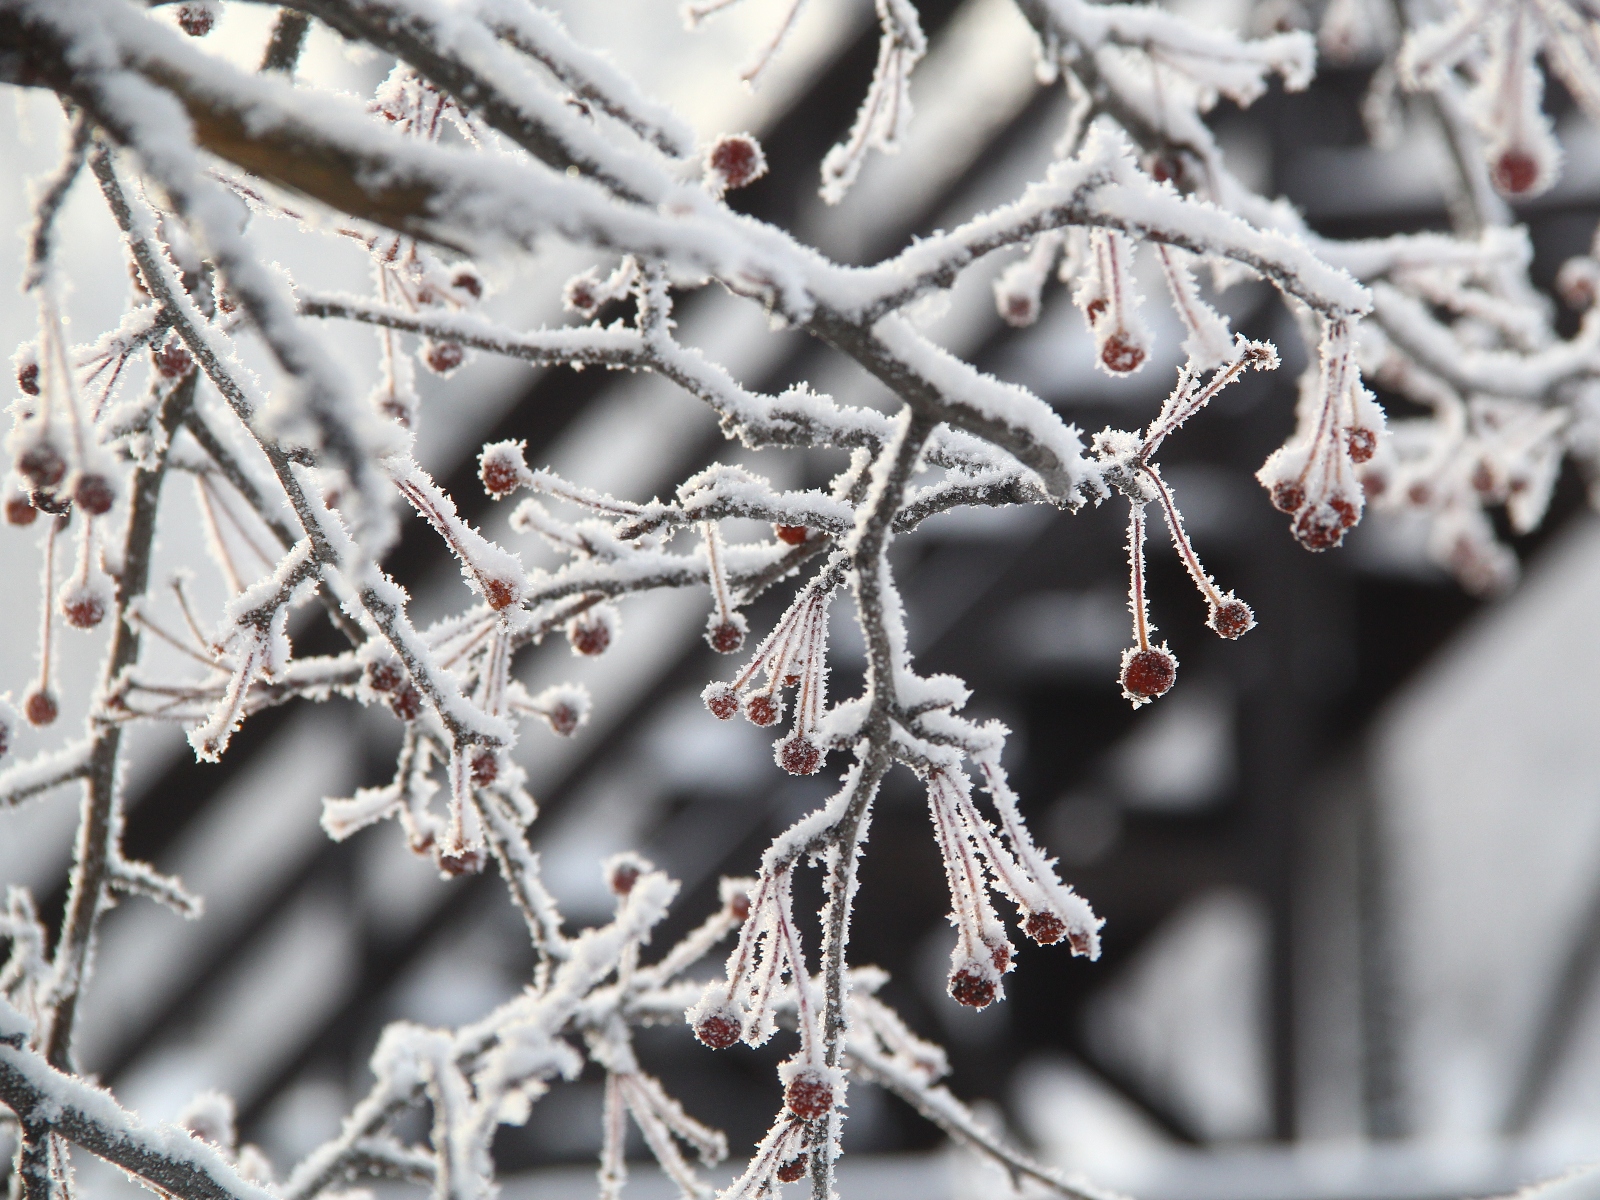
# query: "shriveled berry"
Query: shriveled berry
736,160
799,756
19,511
1362,444
444,357
794,535
485,767
47,501
791,1171
719,1029
384,676
40,707
1044,927
42,465
1149,673
809,1095
196,19
725,637
500,593
468,860
623,877
28,378
972,989
406,702
1288,497
589,635
1094,310
1121,354
762,709
722,700
1232,619
1515,172
93,494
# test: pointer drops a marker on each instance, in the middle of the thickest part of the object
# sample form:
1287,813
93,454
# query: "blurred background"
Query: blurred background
1350,867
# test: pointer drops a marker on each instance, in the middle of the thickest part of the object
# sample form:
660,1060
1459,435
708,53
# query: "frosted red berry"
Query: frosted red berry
809,1095
1232,619
623,877
195,19
406,702
1000,955
19,511
794,535
737,160
173,360
719,1029
502,593
725,637
444,357
799,756
466,861
1019,310
1044,927
1320,527
501,468
40,707
83,608
1121,354
1079,941
384,676
1288,497
93,494
469,282
485,767
589,635
722,700
28,378
563,719
972,989
1149,673
1515,172
1362,444
762,709
739,906
791,1171
42,465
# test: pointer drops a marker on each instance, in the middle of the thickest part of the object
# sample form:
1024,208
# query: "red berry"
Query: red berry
1320,527
798,756
737,160
722,700
501,468
1362,444
791,1171
1165,167
1374,484
172,360
1419,493
1121,354
83,608
384,676
406,702
589,635
28,378
485,767
1288,497
968,987
1232,619
195,19
1149,673
793,534
809,1095
40,707
42,465
19,511
718,1029
725,637
563,719
444,357
1515,172
1000,955
469,282
762,709
739,906
1079,942
465,861
93,494
623,878
1045,928
501,593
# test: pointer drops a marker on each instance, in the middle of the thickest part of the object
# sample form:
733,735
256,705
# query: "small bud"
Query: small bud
718,1029
41,465
19,511
1147,674
791,1171
40,707
970,987
1232,618
1045,928
93,494
735,160
762,709
799,756
196,19
443,357
794,535
722,700
502,468
485,767
406,702
809,1095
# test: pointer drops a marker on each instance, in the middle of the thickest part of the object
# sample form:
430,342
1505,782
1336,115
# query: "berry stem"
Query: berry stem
1136,597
